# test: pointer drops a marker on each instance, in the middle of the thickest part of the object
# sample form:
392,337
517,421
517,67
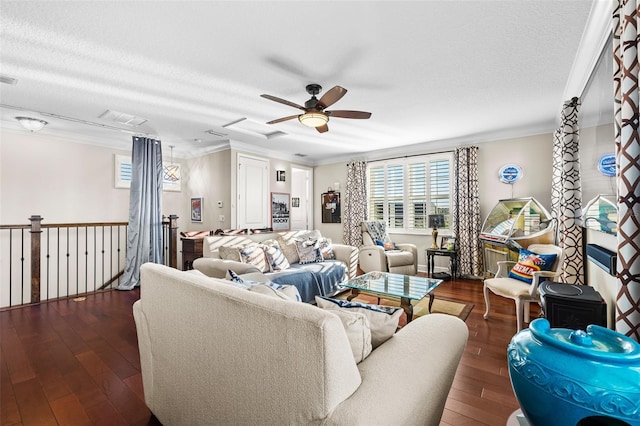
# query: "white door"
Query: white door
253,192
301,211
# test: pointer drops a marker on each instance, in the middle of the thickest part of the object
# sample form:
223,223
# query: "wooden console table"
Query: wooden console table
191,250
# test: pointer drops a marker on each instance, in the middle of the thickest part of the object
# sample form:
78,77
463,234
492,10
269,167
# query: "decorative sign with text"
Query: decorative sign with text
607,165
510,173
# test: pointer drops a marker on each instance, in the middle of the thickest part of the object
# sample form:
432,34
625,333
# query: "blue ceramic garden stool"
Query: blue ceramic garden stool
572,377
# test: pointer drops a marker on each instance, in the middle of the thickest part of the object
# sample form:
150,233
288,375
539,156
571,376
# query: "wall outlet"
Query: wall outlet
220,204
221,218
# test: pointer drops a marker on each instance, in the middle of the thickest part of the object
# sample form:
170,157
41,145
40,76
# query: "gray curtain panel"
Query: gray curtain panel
354,208
466,221
566,192
626,109
144,233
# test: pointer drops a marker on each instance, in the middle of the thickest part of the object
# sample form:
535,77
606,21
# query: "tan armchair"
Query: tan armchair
373,257
521,292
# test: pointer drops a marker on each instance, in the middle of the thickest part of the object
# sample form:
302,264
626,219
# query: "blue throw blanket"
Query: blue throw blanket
312,279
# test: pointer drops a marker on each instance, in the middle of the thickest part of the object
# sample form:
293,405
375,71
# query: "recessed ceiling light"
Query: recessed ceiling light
214,133
122,118
8,80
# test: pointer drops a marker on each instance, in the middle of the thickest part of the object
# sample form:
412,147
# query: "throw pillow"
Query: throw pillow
229,253
308,252
254,255
530,262
268,288
326,248
289,249
276,258
356,326
383,320
387,246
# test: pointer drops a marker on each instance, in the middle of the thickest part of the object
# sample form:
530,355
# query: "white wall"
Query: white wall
533,153
594,142
208,177
64,182
325,177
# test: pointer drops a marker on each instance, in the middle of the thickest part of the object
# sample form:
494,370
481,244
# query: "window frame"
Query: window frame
407,198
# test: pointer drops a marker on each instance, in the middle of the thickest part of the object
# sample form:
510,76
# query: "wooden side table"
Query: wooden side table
451,254
191,250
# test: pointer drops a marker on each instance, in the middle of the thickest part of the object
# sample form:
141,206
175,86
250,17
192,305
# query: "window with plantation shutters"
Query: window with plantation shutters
404,192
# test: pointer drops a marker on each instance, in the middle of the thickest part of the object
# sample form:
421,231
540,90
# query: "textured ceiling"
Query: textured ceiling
433,73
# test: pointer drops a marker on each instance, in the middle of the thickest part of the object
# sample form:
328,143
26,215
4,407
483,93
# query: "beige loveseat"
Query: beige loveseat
212,353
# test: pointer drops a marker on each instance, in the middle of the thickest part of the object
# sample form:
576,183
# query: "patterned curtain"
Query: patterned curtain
355,203
566,192
627,142
144,233
466,211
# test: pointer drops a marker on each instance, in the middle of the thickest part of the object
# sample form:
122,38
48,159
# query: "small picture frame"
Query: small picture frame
448,243
196,209
331,207
295,202
280,176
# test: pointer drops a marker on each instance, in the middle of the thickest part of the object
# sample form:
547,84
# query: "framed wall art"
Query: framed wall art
331,207
280,211
196,209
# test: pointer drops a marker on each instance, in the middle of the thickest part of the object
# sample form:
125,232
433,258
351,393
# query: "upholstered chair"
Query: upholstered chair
510,284
395,258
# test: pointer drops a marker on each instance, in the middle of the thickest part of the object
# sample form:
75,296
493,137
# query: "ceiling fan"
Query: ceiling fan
314,114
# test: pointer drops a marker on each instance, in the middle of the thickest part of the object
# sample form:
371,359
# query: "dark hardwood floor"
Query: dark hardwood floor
76,362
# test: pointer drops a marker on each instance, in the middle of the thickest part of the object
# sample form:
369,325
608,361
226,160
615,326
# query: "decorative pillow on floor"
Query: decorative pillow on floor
383,320
356,325
268,288
254,255
229,253
530,262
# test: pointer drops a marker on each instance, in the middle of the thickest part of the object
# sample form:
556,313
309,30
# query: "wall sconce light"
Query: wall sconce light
280,176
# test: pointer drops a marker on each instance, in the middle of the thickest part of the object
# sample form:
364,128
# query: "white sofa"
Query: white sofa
212,353
311,279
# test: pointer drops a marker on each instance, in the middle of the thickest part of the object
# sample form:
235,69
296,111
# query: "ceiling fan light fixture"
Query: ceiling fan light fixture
313,119
31,124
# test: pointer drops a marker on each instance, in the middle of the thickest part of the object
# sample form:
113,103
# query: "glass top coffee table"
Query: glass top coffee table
404,287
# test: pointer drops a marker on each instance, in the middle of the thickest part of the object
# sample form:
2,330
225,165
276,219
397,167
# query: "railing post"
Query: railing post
173,241
35,257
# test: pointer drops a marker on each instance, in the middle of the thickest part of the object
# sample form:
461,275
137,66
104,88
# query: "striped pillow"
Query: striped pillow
253,254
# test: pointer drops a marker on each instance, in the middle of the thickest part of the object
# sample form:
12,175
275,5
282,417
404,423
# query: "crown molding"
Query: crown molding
594,38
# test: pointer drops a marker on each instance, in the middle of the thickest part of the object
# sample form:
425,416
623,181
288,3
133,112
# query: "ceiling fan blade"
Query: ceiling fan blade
332,96
279,120
283,101
348,114
323,128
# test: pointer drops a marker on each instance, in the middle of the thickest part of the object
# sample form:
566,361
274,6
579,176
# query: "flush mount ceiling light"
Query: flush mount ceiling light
31,124
172,171
313,119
